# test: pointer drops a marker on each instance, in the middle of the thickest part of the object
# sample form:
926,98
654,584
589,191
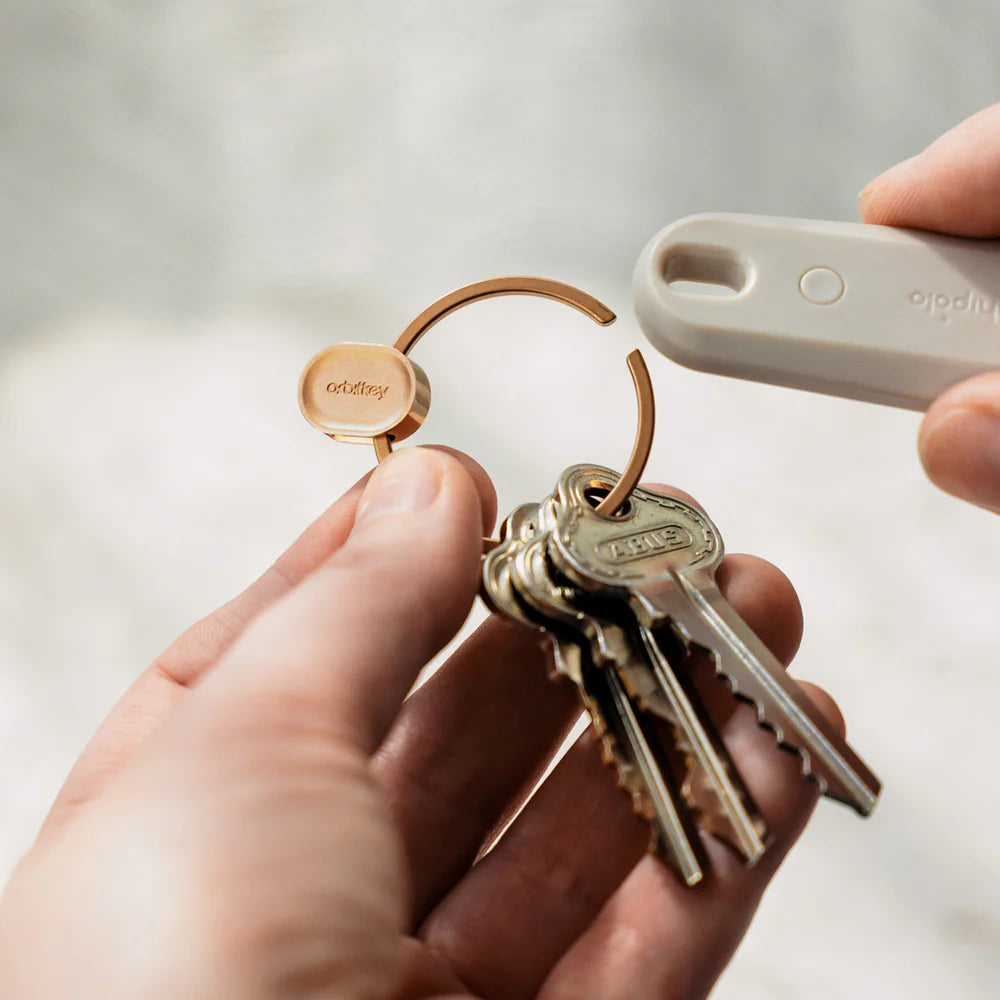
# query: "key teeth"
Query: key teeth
626,777
772,727
608,755
682,744
640,806
549,648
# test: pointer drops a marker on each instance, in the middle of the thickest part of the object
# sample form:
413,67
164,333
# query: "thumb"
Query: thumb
348,642
960,441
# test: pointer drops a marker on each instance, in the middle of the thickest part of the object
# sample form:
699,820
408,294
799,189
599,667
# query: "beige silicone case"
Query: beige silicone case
867,312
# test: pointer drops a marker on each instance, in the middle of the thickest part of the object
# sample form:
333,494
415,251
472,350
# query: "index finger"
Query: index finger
953,186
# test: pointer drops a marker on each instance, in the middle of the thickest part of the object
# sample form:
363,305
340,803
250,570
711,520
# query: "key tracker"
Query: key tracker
872,313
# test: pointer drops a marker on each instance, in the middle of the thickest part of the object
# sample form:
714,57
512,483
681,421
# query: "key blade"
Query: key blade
704,744
660,554
676,836
658,687
755,675
641,771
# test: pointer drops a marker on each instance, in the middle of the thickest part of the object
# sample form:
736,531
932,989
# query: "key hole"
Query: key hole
595,494
696,269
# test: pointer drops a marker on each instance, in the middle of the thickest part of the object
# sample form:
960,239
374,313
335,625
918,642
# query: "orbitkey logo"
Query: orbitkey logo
359,388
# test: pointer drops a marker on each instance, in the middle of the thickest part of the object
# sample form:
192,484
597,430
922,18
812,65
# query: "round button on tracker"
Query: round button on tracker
821,285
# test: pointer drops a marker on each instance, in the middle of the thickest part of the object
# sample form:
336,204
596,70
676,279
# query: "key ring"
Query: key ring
375,394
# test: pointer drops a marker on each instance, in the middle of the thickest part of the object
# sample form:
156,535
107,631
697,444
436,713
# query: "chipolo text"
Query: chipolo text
941,305
360,388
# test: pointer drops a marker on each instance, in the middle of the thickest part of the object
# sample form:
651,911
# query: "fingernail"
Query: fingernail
407,480
961,452
893,173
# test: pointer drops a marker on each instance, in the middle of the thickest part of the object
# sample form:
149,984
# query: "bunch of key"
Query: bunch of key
627,600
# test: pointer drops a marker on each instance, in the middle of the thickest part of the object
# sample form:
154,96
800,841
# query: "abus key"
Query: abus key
660,556
656,685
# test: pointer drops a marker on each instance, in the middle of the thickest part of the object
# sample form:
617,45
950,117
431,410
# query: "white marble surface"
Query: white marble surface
196,196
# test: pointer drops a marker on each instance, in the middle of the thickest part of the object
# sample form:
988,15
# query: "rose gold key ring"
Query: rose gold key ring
371,393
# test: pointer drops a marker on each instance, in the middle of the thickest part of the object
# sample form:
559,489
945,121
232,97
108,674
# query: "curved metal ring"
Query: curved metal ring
586,304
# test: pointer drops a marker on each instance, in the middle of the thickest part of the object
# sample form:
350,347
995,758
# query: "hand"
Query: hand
953,186
262,816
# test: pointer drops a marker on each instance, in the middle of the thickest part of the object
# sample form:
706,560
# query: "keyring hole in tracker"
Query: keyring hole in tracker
596,493
696,269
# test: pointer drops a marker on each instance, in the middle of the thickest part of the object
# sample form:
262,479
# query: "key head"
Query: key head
652,538
521,523
356,392
608,640
530,576
501,595
497,590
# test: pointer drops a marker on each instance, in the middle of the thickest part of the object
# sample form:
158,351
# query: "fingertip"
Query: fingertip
824,701
888,200
879,199
766,600
953,186
481,479
422,506
671,491
959,441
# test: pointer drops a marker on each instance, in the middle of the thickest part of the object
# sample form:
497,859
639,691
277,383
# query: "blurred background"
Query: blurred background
198,195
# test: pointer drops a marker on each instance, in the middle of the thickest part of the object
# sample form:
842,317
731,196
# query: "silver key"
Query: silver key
601,692
660,556
498,592
606,698
654,683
